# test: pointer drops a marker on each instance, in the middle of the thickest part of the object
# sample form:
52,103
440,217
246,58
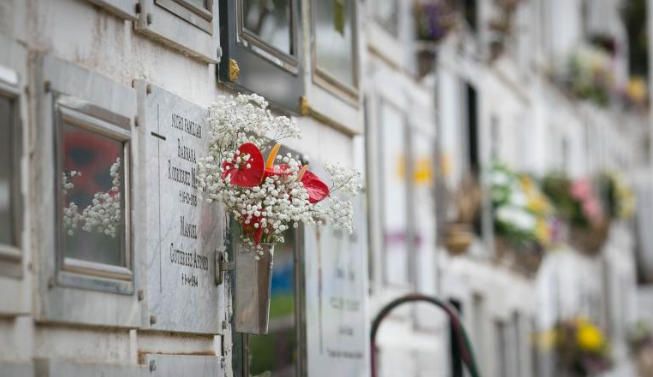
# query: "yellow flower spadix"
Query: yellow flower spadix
273,154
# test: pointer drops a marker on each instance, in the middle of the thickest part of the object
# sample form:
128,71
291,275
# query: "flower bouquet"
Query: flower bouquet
589,75
578,203
581,347
265,193
522,218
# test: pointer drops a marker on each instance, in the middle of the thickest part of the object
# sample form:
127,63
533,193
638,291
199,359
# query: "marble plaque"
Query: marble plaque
184,365
182,231
336,289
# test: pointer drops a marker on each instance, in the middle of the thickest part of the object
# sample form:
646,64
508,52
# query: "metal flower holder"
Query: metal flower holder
252,288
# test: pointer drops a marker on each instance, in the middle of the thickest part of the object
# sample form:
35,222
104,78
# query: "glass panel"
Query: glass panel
334,39
386,13
271,21
202,4
275,354
6,161
393,183
93,189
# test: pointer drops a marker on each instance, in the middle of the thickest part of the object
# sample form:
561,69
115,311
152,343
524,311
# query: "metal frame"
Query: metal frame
12,254
245,37
246,58
189,12
81,273
322,77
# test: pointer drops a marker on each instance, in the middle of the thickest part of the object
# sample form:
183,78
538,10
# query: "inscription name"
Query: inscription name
185,153
183,176
187,229
188,259
188,126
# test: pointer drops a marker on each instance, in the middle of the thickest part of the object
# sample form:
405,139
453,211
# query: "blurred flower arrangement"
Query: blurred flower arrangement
640,336
578,203
267,197
589,75
522,218
640,341
501,25
575,201
618,197
580,345
522,213
434,19
635,94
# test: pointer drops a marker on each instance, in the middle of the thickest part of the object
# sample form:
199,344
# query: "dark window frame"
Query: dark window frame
78,273
12,253
246,58
321,76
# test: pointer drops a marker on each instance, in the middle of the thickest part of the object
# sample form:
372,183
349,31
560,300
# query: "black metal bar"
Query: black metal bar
460,341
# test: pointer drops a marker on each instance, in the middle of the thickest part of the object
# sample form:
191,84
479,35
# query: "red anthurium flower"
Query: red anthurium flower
282,170
317,190
254,232
249,173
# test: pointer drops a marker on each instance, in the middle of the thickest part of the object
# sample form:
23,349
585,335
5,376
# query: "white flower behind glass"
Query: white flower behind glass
103,215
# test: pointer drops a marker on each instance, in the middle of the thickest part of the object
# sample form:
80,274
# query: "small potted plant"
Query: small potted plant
266,195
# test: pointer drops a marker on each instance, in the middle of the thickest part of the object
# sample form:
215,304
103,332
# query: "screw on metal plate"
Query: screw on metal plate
148,89
140,295
152,365
152,319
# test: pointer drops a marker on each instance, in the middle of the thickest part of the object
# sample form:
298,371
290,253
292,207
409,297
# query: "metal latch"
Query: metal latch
222,265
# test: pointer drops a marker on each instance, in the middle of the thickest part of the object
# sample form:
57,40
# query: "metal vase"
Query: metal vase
252,289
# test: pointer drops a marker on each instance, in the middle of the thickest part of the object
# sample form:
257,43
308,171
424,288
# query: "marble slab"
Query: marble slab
182,231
